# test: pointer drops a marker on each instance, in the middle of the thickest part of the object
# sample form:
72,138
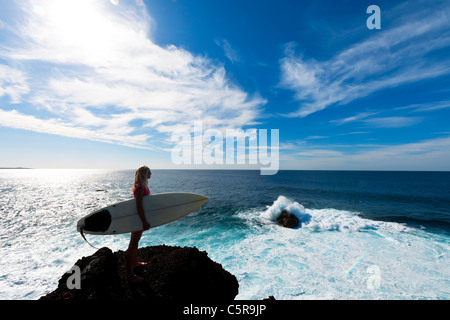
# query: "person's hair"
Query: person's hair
141,177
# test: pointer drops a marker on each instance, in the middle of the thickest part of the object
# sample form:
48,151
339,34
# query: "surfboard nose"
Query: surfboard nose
201,198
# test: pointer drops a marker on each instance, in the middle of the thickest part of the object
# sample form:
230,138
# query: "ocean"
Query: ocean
363,234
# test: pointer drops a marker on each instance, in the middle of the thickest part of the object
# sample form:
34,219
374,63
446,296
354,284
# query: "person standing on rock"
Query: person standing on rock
140,190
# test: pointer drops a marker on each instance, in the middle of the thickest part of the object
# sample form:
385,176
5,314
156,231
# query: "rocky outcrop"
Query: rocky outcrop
288,220
170,273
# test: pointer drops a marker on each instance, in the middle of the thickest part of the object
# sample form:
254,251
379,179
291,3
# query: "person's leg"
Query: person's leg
131,256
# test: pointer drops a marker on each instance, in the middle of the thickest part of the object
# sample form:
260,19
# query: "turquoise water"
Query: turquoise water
364,235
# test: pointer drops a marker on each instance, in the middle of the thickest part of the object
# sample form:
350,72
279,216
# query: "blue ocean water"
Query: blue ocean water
363,235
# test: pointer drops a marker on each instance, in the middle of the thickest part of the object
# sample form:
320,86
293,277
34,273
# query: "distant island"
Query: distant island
14,168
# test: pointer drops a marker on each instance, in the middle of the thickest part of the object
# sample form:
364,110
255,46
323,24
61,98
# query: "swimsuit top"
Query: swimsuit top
146,190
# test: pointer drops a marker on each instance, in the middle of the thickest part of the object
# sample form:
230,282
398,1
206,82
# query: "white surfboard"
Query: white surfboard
122,217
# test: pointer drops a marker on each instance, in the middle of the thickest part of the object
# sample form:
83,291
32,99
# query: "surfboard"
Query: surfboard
122,217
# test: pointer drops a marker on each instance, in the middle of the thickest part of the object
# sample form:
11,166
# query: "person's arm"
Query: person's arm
140,208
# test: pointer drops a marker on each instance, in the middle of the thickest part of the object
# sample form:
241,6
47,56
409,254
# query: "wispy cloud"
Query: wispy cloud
229,51
407,156
357,117
13,83
425,107
367,119
392,122
101,77
320,153
389,58
17,120
316,137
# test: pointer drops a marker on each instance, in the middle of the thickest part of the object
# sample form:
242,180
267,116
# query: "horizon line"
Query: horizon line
222,169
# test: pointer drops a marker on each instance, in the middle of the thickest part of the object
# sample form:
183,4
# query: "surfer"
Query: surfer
140,190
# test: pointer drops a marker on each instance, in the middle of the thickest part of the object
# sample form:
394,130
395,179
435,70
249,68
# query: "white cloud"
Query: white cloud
320,153
13,83
229,51
429,106
388,59
379,122
407,156
100,72
316,137
357,117
14,119
408,149
392,122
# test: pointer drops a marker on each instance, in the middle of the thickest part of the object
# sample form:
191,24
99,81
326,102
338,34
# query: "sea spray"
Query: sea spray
283,203
327,219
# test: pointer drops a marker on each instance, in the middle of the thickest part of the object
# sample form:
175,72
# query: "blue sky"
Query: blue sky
104,84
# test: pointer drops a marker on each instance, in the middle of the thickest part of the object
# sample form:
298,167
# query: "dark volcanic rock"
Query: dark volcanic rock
171,273
288,220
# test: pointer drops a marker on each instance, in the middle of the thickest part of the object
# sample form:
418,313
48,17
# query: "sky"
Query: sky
107,83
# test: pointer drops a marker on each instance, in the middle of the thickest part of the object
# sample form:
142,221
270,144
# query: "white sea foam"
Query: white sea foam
319,260
327,219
